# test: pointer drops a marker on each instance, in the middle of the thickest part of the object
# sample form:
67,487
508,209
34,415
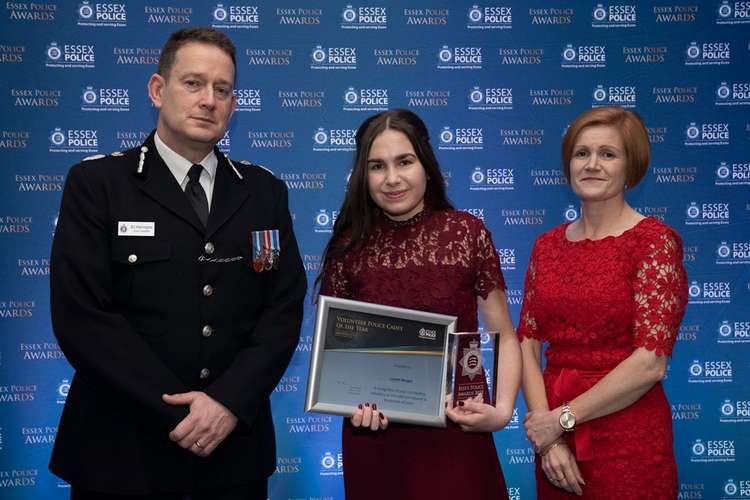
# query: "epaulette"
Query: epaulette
100,156
245,162
93,157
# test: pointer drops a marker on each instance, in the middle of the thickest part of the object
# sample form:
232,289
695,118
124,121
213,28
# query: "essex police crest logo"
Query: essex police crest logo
471,361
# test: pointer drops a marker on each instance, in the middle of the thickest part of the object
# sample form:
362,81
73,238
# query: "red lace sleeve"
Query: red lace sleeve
488,273
335,281
527,326
659,293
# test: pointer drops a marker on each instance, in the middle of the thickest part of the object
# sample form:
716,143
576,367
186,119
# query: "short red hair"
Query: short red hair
632,132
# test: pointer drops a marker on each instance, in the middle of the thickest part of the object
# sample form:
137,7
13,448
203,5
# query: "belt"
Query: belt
571,382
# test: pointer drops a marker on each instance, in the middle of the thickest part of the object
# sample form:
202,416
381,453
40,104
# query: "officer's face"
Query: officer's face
195,100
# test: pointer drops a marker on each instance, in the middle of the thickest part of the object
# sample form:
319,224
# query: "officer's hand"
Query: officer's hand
206,426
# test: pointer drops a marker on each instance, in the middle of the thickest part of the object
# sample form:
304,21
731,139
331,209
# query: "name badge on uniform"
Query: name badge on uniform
130,228
266,250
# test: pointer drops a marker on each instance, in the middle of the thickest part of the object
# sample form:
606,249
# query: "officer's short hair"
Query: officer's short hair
183,36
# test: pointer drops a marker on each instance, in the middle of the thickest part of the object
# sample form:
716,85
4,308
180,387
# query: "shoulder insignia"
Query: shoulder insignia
249,163
93,157
117,153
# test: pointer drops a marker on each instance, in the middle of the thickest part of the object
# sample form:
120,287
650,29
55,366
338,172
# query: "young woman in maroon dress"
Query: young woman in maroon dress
399,242
607,293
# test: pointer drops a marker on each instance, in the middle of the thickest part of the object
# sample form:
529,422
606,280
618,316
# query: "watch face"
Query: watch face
567,420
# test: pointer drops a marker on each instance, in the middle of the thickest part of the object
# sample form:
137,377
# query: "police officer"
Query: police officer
176,334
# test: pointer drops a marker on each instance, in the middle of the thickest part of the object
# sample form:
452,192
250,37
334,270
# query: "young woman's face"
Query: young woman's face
396,178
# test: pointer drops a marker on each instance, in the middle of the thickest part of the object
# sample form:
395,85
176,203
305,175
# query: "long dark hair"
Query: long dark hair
359,214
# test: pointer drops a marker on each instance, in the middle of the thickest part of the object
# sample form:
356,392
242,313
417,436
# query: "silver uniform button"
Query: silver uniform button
208,290
209,248
132,258
205,373
207,331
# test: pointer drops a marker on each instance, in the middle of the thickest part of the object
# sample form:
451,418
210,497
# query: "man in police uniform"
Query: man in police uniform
177,292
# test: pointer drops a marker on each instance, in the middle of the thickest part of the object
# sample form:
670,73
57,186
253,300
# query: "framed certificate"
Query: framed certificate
394,357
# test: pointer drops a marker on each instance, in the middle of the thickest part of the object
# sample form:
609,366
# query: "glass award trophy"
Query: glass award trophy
472,366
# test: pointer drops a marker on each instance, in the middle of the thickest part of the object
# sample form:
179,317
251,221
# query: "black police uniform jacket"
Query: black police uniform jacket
130,313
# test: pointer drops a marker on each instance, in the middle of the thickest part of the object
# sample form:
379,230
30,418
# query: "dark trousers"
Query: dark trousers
251,491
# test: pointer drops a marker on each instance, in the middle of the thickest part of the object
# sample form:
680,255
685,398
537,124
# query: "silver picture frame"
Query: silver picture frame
395,357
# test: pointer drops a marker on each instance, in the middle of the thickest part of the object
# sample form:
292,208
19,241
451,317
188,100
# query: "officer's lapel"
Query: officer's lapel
159,184
228,196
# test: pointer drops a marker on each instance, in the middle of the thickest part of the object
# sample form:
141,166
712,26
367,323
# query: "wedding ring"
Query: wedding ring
198,444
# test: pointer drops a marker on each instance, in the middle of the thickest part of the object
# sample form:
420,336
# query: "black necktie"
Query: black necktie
196,195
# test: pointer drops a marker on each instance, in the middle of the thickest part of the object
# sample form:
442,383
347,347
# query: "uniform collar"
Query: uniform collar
179,165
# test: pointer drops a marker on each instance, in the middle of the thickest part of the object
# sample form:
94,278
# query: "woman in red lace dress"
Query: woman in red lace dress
397,241
606,293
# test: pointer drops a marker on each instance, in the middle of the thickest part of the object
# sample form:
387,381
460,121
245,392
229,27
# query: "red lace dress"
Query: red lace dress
438,261
594,302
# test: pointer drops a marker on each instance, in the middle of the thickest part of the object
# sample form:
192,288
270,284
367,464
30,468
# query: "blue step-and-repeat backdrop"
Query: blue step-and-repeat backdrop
497,82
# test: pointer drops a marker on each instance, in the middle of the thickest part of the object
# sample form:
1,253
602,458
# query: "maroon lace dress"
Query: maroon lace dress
594,302
438,261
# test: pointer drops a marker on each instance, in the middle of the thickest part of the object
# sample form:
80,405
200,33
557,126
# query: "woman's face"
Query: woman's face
598,165
396,179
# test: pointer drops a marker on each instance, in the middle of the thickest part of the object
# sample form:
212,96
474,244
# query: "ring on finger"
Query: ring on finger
198,444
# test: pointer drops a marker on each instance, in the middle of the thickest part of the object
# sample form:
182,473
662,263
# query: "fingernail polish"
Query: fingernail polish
382,417
359,406
374,406
367,405
460,403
